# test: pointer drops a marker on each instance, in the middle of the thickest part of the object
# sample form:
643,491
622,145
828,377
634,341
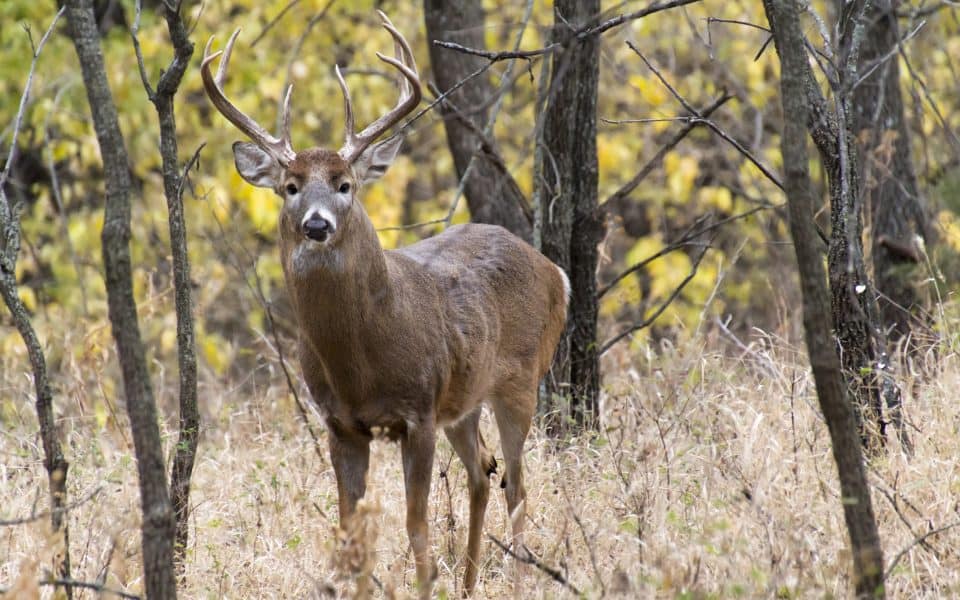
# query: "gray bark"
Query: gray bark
897,210
492,194
157,526
828,375
189,427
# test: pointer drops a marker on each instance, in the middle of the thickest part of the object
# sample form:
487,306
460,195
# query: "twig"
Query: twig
578,34
699,117
273,22
494,113
18,120
134,30
530,559
867,70
920,540
660,309
48,513
271,324
295,53
98,587
631,185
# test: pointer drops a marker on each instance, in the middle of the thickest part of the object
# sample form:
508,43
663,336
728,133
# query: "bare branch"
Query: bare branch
273,21
631,185
920,540
530,559
660,309
48,513
716,128
686,239
495,112
579,34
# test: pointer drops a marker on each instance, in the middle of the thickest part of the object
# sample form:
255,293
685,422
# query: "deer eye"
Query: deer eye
292,189
344,187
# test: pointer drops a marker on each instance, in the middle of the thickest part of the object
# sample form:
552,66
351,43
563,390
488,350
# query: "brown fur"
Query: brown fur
415,339
411,340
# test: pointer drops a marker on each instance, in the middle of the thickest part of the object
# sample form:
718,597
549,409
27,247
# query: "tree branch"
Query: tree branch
578,34
660,309
530,559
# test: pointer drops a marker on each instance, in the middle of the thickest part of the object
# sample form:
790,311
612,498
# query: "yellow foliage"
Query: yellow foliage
28,297
214,352
681,172
651,90
716,197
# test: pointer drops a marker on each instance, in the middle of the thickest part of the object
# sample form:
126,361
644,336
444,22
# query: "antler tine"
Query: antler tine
400,47
280,149
349,133
410,95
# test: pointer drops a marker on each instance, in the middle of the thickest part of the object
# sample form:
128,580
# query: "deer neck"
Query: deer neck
341,291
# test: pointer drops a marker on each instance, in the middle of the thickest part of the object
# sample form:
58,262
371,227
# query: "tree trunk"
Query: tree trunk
157,525
492,194
53,459
828,375
572,225
856,316
189,429
889,182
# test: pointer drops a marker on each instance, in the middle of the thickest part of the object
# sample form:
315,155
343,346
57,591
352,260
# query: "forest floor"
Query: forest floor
712,476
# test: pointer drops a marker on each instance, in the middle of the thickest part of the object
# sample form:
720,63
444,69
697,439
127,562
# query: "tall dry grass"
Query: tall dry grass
712,477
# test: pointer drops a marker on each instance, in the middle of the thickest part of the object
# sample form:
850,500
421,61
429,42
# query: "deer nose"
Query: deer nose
317,228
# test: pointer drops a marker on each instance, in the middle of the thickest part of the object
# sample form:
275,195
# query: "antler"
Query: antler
280,149
410,95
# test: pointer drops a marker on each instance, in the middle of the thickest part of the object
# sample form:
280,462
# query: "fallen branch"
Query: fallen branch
530,559
49,513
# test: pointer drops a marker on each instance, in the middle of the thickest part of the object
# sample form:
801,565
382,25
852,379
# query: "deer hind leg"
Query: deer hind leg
513,420
417,448
465,438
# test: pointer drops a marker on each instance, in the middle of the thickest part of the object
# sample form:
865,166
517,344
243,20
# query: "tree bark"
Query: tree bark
572,225
896,209
492,194
157,526
827,372
189,428
10,231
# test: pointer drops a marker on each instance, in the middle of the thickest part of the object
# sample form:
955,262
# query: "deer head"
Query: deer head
318,186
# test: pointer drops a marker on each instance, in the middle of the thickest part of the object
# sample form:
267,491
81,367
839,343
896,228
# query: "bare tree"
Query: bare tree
158,525
572,225
54,461
860,337
896,208
492,194
173,184
828,375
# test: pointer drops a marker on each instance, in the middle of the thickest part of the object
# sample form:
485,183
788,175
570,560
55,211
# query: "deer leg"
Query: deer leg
465,438
513,421
350,456
417,448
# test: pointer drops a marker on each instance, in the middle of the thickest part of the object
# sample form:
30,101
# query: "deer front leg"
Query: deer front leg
350,456
417,448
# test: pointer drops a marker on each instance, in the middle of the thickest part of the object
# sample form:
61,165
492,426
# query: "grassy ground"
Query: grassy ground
712,477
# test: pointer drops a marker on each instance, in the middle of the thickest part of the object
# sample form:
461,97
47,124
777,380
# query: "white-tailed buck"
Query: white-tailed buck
410,340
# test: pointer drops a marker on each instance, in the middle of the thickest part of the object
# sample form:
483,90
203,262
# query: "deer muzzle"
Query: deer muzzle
317,228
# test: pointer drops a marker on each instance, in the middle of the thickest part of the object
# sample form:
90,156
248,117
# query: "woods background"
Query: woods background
706,474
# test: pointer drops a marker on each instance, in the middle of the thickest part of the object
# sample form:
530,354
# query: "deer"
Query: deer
407,341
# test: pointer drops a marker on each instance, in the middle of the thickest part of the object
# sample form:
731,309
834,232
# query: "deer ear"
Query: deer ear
375,160
255,165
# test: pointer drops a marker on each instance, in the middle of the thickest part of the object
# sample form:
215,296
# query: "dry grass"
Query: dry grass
712,478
